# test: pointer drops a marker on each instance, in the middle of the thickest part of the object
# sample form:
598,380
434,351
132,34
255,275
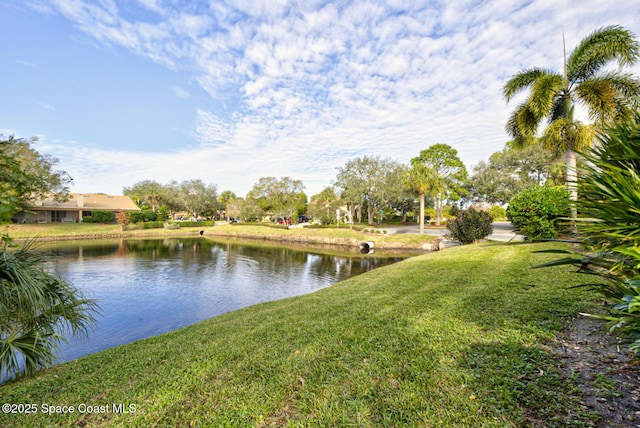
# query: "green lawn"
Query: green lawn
457,338
342,236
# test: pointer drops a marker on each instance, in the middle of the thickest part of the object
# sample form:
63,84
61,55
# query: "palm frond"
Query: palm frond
609,96
544,91
521,81
523,123
36,306
564,134
613,43
29,351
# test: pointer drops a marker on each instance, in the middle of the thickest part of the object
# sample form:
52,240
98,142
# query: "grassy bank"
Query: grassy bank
454,338
344,236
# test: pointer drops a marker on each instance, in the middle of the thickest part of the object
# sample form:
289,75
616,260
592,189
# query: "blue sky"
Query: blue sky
231,91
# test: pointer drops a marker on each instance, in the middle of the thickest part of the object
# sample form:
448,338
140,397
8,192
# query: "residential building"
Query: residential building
77,206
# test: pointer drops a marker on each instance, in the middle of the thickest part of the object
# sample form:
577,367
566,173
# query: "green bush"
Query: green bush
498,213
142,216
103,217
538,213
207,223
470,225
163,214
153,225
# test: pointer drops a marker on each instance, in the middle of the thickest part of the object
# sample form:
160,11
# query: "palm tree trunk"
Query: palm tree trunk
571,172
572,182
422,214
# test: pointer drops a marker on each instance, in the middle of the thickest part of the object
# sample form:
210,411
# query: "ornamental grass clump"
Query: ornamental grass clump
609,206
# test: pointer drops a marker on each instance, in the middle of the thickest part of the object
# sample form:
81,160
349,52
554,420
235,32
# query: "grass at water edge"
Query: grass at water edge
455,338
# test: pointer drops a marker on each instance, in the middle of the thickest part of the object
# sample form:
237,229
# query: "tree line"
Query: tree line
369,189
375,189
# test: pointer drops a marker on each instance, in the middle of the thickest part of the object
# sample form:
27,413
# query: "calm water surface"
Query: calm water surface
148,287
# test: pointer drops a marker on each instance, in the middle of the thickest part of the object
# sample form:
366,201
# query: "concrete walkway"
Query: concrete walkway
502,231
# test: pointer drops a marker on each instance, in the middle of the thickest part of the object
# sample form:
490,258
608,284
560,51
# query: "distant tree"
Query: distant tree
195,197
233,208
282,197
586,78
449,174
509,172
394,197
323,206
171,197
146,193
223,199
122,218
250,210
369,181
25,175
421,179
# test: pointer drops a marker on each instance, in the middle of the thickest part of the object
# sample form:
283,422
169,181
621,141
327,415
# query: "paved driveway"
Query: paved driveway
502,231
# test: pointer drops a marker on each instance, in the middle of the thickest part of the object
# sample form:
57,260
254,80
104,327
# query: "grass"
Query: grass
342,236
457,338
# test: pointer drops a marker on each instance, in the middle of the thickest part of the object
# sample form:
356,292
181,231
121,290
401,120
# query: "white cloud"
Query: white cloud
153,5
313,84
46,106
26,63
180,92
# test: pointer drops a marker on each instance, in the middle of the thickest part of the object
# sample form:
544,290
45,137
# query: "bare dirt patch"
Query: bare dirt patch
607,373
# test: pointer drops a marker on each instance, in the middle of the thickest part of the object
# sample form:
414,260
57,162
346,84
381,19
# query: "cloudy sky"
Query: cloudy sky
229,91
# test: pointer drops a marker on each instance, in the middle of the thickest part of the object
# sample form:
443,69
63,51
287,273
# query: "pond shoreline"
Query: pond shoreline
453,326
335,237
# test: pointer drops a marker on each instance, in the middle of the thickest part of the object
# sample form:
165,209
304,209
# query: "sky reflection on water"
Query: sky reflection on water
148,287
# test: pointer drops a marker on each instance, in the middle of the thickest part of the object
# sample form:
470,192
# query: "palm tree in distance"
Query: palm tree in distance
608,94
420,178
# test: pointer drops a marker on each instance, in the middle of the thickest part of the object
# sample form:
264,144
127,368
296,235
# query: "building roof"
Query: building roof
87,202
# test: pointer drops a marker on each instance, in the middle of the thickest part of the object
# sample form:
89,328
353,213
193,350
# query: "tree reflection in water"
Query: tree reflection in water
150,286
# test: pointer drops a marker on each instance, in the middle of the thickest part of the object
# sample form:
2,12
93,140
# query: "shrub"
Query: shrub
609,230
142,216
153,225
537,213
196,223
498,213
163,214
103,217
609,184
470,225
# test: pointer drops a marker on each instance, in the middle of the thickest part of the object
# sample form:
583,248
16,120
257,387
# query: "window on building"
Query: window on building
57,216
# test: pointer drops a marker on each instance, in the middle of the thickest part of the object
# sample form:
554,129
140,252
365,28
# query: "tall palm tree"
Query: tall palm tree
420,178
608,94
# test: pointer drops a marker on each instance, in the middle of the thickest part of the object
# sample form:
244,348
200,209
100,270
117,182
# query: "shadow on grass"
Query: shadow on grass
512,378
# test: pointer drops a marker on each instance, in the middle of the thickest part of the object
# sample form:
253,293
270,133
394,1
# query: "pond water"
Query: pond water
149,287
